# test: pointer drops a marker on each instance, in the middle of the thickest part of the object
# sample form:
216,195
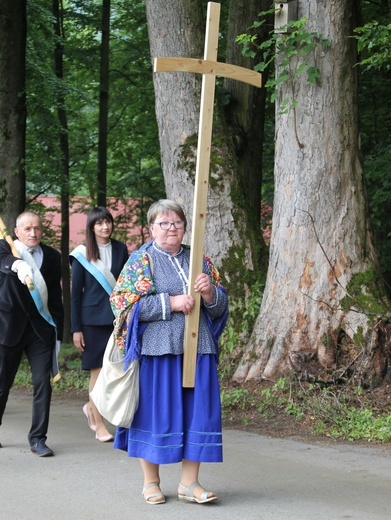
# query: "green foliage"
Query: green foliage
374,44
365,293
43,159
335,417
378,179
238,398
278,395
242,315
133,154
290,51
338,412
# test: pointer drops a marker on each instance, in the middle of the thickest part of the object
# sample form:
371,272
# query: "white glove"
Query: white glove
23,269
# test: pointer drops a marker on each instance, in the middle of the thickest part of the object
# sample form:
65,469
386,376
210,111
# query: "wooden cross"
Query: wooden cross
209,68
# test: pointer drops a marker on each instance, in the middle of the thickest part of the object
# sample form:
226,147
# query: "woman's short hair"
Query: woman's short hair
164,206
97,214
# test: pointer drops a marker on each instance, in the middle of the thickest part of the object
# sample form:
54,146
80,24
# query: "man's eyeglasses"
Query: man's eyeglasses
178,224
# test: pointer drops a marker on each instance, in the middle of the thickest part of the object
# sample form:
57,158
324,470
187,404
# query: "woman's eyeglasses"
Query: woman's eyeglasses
178,224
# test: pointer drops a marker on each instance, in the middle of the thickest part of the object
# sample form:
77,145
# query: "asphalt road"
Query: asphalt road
261,478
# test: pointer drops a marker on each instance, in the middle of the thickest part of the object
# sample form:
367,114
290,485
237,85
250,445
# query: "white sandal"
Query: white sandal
188,495
153,495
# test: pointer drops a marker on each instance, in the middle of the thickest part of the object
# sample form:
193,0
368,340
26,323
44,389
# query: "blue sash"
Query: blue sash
40,292
96,268
40,298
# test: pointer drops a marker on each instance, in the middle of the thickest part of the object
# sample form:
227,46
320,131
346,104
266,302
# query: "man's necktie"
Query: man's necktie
32,252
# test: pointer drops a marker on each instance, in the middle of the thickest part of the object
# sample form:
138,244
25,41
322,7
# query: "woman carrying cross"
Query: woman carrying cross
172,424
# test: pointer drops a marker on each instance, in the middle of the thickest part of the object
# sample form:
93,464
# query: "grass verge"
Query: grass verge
343,413
346,414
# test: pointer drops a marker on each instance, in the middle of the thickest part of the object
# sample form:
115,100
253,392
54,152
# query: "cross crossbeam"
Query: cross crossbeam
208,67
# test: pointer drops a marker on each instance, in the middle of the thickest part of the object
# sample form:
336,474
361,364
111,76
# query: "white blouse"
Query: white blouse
106,254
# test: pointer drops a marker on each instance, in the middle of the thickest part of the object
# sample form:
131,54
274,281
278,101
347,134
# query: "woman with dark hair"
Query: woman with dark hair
95,268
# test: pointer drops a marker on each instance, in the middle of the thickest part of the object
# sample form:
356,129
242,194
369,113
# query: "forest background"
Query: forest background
90,120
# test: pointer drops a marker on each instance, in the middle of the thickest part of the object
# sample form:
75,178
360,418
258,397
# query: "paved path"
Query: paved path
261,478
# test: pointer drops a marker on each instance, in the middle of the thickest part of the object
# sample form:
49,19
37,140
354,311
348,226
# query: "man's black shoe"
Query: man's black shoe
41,449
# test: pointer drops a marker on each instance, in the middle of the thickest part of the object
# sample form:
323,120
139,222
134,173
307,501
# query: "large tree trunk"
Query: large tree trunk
232,240
322,292
12,109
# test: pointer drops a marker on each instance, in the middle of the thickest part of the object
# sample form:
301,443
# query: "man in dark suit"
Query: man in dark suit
30,321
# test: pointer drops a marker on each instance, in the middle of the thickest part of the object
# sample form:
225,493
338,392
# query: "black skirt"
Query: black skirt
95,339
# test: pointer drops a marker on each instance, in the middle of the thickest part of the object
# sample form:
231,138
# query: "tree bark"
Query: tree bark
103,104
177,29
322,292
12,109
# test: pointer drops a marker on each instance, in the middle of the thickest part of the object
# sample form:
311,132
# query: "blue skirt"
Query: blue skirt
173,423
